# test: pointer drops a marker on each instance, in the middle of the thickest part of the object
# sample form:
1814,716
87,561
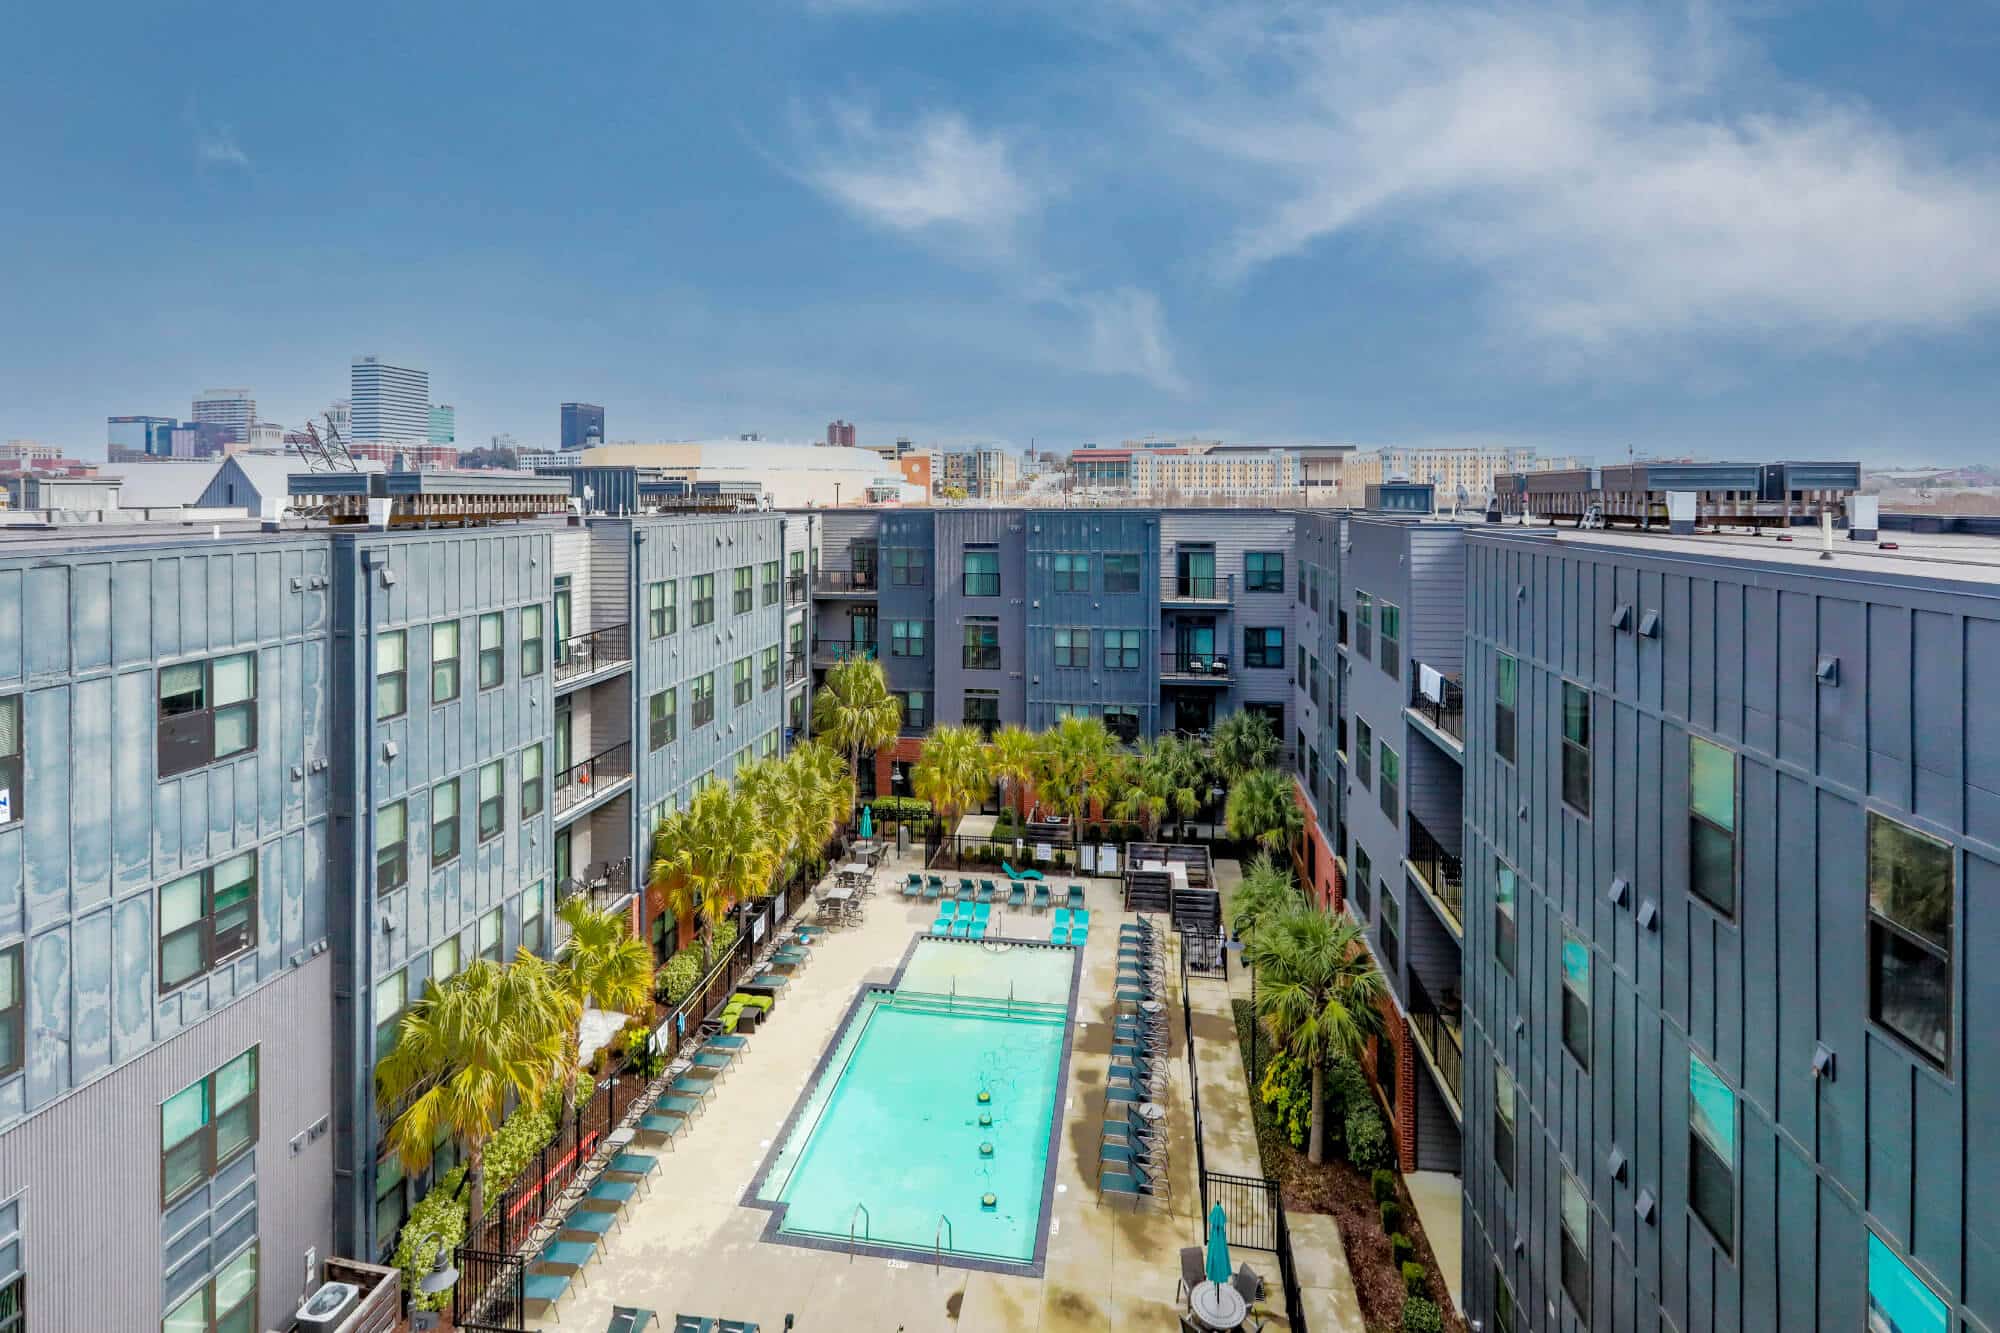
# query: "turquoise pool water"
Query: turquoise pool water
893,1124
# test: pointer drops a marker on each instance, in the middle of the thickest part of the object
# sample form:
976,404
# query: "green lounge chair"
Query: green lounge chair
1017,896
1041,897
1019,874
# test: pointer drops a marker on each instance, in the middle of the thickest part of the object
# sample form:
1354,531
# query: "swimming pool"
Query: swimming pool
936,1094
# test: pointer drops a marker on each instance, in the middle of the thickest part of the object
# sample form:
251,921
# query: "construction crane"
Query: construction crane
326,453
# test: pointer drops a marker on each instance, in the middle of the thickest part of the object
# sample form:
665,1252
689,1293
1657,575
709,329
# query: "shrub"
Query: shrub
1062,860
899,808
1420,1315
678,976
1382,1183
441,1211
1416,1278
1287,1090
515,1144
635,1044
1367,1137
1401,1249
1392,1216
725,936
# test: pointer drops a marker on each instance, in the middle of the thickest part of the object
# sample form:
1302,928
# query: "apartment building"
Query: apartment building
985,473
1199,471
1471,469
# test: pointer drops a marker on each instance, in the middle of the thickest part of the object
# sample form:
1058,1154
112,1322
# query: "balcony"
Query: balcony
1198,589
605,885
1441,1037
845,583
586,655
1444,714
795,589
1441,873
828,652
1194,668
795,666
592,781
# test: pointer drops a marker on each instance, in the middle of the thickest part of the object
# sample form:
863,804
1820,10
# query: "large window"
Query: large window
1391,656
444,961
1263,571
662,608
531,782
1910,916
392,676
909,566
742,682
767,578
492,649
1122,721
207,1125
1121,572
743,590
1712,1152
13,795
1503,1119
392,997
208,711
1576,1246
1070,572
1506,692
916,710
391,1203
982,644
1712,824
492,812
13,1011
1389,932
701,600
1264,646
226,1303
1576,997
701,700
1898,1300
444,661
492,927
1505,886
392,847
1072,647
531,641
907,638
1364,623
444,822
982,710
531,917
1364,753
767,668
1576,748
1121,649
982,571
1390,787
1364,869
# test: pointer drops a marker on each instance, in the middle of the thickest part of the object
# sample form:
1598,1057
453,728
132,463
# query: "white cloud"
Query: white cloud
217,147
1128,336
936,175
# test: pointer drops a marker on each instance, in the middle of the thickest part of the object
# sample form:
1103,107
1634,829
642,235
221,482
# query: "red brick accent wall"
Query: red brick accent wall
1314,862
907,748
1396,1045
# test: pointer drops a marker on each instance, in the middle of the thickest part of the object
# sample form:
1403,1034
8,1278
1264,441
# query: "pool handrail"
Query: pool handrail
861,1211
937,1242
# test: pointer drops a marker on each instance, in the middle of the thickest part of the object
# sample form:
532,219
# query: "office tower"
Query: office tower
840,434
388,403
444,424
582,425
234,410
141,435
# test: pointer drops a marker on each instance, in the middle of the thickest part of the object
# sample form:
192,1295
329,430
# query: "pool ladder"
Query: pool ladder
860,1211
937,1242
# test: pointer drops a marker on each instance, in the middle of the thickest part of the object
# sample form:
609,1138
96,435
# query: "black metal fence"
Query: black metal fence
580,781
1447,711
1254,1212
487,1298
593,651
1444,872
1205,953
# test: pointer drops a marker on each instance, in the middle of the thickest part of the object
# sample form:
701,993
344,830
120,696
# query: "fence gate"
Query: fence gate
487,1298
1251,1205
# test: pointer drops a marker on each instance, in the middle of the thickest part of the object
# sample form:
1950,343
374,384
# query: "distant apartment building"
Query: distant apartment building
1452,470
234,411
984,473
1203,470
444,424
140,435
582,426
417,455
388,403
840,434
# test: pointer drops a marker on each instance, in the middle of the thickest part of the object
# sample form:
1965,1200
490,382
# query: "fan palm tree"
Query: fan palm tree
772,791
716,855
601,965
854,710
952,772
1318,994
1073,760
1011,760
1267,890
1261,808
1242,743
825,792
488,1036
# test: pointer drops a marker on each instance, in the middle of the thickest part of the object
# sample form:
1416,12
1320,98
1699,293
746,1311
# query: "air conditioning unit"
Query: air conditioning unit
326,1308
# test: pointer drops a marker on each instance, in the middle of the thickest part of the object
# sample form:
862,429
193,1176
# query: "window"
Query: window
1506,690
1071,573
1122,721
982,710
1910,913
13,1011
444,661
1576,997
742,682
701,600
1503,1302
444,822
1121,650
1898,1300
1576,748
1390,787
1504,888
391,1205
13,795
1299,675
1364,752
490,933
743,590
14,1305
531,782
1312,679
767,576
492,657
1712,1152
1264,571
492,816
906,638
1389,932
226,1303
982,644
701,695
916,710
663,610
392,997
392,678
1121,573
1503,1120
444,961
1304,570
531,918
982,571
1072,647
1364,623
1712,824
208,711
1576,1246
1391,656
392,852
909,566
207,1125
1363,870
1264,647
531,641
767,668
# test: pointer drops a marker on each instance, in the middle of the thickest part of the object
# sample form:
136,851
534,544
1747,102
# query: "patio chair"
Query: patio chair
637,1166
1248,1284
935,882
692,1084
563,1257
966,889
988,891
1123,1092
719,1061
609,1196
693,1323
1076,895
659,1128
913,887
1041,897
541,1291
1017,895
1135,1185
1123,1155
934,889
1079,935
1019,874
629,1319
588,1225
1194,1271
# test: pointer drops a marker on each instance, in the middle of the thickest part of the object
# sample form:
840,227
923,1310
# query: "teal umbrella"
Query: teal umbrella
867,822
1218,1246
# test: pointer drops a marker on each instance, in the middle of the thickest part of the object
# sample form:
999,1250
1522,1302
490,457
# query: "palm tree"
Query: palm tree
1166,778
715,856
1318,994
1011,760
952,772
854,710
1244,742
1261,807
601,965
825,791
1073,759
1267,889
771,788
488,1036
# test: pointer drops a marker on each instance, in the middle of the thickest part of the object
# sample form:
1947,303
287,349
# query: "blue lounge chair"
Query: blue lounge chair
1041,897
609,1196
933,890
980,911
988,891
729,1041
1079,935
1076,895
1135,1185
1017,895
961,929
693,1323
629,1319
633,1165
564,1256
719,1061
776,980
1058,934
692,1085
588,1225
676,1104
941,926
736,1326
541,1291
658,1128
1061,917
965,888
1019,874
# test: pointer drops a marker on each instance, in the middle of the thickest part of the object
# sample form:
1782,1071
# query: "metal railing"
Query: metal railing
1444,872
1204,953
1202,587
579,782
1439,1028
826,652
1446,714
605,884
795,589
1204,666
846,580
585,653
487,1298
795,667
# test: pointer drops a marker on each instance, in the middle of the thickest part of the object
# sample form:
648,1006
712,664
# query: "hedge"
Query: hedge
1420,1315
443,1209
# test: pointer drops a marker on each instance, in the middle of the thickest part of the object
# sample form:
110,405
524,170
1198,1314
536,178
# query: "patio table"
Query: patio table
1218,1307
1152,1110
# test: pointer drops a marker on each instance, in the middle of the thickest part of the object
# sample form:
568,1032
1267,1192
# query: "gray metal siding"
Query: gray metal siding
956,529
1233,532
1093,533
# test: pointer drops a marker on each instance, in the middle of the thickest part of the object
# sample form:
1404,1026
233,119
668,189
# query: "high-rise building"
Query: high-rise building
985,472
234,410
389,403
582,425
840,434
444,424
140,435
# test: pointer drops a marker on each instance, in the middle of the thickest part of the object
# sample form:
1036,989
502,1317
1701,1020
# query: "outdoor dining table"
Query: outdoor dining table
1152,1110
853,870
1218,1307
839,893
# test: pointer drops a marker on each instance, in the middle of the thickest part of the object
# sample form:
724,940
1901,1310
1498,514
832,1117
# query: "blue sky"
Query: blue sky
1712,230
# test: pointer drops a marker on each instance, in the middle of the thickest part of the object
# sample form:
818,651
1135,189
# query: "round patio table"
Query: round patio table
1218,1307
1151,1006
1152,1111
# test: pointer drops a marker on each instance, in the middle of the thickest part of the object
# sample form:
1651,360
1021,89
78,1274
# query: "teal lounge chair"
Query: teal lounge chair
961,929
987,891
1058,934
1079,935
692,1085
677,1104
1017,896
736,1326
693,1323
586,1224
933,890
633,1165
1041,897
564,1256
941,926
1019,874
719,1061
965,889
729,1041
1061,918
609,1196
776,979
629,1319
1076,895
1134,1186
980,911
541,1291
657,1128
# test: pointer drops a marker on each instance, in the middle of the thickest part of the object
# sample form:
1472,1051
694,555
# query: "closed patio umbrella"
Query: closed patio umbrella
1217,1264
867,822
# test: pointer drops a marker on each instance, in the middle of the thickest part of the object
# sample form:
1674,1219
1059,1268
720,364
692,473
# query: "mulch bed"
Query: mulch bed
1342,1190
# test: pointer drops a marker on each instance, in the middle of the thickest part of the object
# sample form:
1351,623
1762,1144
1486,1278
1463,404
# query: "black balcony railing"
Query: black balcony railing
795,589
604,883
1447,711
845,580
579,782
1201,666
1202,587
594,651
795,666
1438,1027
826,652
1444,872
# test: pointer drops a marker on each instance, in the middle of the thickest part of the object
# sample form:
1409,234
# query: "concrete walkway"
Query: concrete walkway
1439,1197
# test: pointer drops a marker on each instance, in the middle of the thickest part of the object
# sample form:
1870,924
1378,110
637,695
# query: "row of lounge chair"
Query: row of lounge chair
1070,925
1132,1151
1019,893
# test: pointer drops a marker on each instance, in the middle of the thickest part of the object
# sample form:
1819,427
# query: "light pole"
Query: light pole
442,1277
